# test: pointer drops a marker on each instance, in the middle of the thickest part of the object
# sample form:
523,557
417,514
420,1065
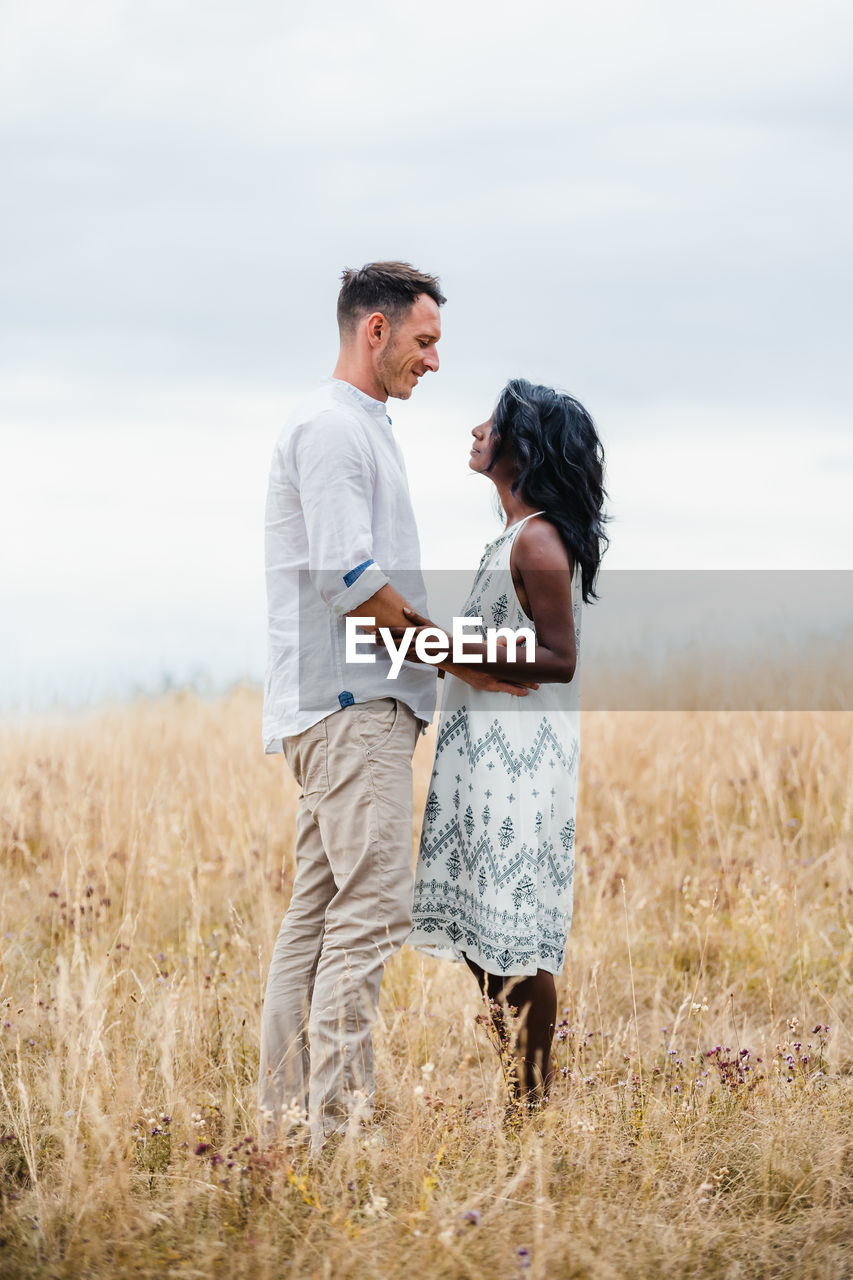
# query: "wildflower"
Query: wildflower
428,1068
202,1148
293,1114
473,1216
523,1256
376,1205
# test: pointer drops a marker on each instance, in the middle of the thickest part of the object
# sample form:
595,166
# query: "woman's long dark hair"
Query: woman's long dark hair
554,441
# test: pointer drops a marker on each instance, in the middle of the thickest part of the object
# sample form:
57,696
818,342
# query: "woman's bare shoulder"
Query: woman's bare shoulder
538,545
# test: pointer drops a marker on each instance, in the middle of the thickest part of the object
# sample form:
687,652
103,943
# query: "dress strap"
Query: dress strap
524,520
507,535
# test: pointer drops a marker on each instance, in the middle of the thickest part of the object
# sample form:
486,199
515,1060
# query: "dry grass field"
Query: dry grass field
702,1124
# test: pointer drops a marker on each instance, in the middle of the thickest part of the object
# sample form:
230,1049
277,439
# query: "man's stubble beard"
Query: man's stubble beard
390,376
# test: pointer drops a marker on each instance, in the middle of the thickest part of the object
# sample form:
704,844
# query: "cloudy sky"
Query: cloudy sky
647,204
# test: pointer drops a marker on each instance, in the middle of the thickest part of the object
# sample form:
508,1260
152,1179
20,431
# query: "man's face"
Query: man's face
410,351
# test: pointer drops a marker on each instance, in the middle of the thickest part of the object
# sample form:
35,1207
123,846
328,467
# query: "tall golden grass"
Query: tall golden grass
702,1123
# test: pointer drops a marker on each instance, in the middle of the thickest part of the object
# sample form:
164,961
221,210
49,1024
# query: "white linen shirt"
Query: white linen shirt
339,525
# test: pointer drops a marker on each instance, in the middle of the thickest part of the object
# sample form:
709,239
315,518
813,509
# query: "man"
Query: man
340,532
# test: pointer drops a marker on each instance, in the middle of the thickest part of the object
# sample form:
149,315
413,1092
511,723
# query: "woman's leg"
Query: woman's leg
535,998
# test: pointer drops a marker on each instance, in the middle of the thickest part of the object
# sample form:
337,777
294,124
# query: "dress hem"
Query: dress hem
458,954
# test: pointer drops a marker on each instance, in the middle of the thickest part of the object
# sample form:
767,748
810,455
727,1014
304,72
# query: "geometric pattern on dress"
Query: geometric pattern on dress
561,872
510,938
496,863
499,867
497,742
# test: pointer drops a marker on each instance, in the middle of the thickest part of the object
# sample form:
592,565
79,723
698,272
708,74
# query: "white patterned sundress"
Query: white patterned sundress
496,863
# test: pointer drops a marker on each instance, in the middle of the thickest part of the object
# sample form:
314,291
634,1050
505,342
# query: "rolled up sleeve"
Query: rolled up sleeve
336,475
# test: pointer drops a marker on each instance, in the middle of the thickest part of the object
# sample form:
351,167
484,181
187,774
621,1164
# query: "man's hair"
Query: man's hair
389,287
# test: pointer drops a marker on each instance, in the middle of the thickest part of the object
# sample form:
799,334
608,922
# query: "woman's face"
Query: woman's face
484,454
482,448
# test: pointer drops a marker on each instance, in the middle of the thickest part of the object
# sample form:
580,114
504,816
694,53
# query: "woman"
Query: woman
496,865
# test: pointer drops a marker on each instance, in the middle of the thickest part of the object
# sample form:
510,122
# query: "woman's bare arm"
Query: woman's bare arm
542,573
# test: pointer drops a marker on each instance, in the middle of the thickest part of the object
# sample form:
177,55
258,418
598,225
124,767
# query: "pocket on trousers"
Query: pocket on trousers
376,722
307,755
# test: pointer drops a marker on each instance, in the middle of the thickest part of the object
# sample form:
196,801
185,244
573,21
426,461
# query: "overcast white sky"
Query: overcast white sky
647,204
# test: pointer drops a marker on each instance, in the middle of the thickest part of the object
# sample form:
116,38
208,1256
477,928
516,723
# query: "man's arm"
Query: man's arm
335,486
387,605
335,474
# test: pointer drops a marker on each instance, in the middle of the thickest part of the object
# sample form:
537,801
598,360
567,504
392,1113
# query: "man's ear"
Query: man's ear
378,329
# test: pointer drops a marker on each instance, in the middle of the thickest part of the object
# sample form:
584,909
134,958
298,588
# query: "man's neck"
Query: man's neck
360,376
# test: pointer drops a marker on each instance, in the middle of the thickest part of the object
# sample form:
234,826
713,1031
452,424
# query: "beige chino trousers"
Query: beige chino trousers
349,911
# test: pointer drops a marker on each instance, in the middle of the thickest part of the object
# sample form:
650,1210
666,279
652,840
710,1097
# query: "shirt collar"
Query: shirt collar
376,408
